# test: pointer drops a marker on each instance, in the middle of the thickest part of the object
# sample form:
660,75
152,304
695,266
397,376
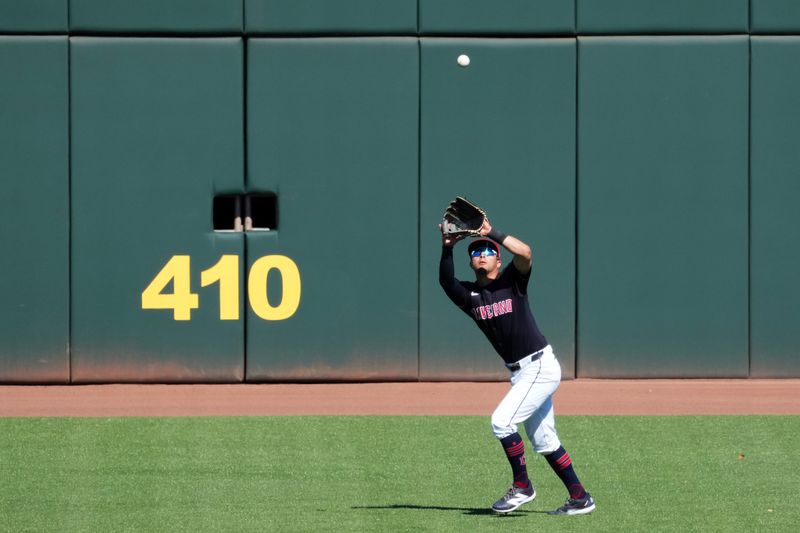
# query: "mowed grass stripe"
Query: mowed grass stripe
724,473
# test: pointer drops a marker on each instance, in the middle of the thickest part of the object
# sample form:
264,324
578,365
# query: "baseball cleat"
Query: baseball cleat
583,505
514,498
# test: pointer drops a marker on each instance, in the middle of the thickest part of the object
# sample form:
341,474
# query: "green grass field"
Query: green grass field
390,474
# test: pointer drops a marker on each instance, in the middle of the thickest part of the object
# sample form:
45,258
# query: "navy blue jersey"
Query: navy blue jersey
500,309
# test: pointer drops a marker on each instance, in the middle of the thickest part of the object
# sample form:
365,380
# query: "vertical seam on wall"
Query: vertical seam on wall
419,196
749,202
69,201
419,202
749,185
577,174
245,171
245,167
575,21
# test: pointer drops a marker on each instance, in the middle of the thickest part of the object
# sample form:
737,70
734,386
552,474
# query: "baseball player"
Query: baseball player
498,303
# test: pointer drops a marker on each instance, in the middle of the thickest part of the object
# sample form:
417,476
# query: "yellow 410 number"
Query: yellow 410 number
225,272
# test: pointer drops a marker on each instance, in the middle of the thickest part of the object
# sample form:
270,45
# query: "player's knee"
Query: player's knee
501,427
546,446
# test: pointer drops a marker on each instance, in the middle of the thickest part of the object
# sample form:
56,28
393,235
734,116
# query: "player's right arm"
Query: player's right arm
447,272
523,257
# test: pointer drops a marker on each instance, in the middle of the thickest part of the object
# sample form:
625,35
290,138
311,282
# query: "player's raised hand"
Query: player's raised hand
486,228
449,239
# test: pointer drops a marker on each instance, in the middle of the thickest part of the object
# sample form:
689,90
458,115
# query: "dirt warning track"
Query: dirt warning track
582,396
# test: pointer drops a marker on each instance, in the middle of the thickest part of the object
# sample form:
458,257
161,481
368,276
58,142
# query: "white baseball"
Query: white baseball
463,60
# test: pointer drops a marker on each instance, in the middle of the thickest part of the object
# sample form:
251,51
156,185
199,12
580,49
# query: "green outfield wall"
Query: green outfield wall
219,191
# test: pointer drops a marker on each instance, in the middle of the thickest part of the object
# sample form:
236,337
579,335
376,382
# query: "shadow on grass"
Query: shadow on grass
464,510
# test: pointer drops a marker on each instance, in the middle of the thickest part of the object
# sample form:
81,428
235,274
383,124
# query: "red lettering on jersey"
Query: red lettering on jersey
485,312
501,308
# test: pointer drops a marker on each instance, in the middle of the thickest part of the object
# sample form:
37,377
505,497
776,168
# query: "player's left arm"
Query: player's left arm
523,256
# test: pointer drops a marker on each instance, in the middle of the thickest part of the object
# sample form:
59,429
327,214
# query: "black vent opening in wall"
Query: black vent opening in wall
261,212
228,213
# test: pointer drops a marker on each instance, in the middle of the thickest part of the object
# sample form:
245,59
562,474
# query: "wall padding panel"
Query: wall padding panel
501,132
662,16
333,122
157,131
775,220
156,16
662,207
775,16
34,212
331,16
33,16
458,17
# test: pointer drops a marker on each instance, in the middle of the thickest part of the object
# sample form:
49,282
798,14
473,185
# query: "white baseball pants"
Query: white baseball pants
530,401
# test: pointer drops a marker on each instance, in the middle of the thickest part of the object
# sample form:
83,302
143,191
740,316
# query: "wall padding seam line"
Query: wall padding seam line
749,202
69,200
577,177
419,199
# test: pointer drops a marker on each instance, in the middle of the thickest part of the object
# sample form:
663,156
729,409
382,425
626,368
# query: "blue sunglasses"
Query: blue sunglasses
481,251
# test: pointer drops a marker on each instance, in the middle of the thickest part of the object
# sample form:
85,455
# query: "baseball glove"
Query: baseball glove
462,218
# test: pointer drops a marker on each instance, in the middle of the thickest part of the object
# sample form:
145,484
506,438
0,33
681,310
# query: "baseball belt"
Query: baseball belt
525,361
